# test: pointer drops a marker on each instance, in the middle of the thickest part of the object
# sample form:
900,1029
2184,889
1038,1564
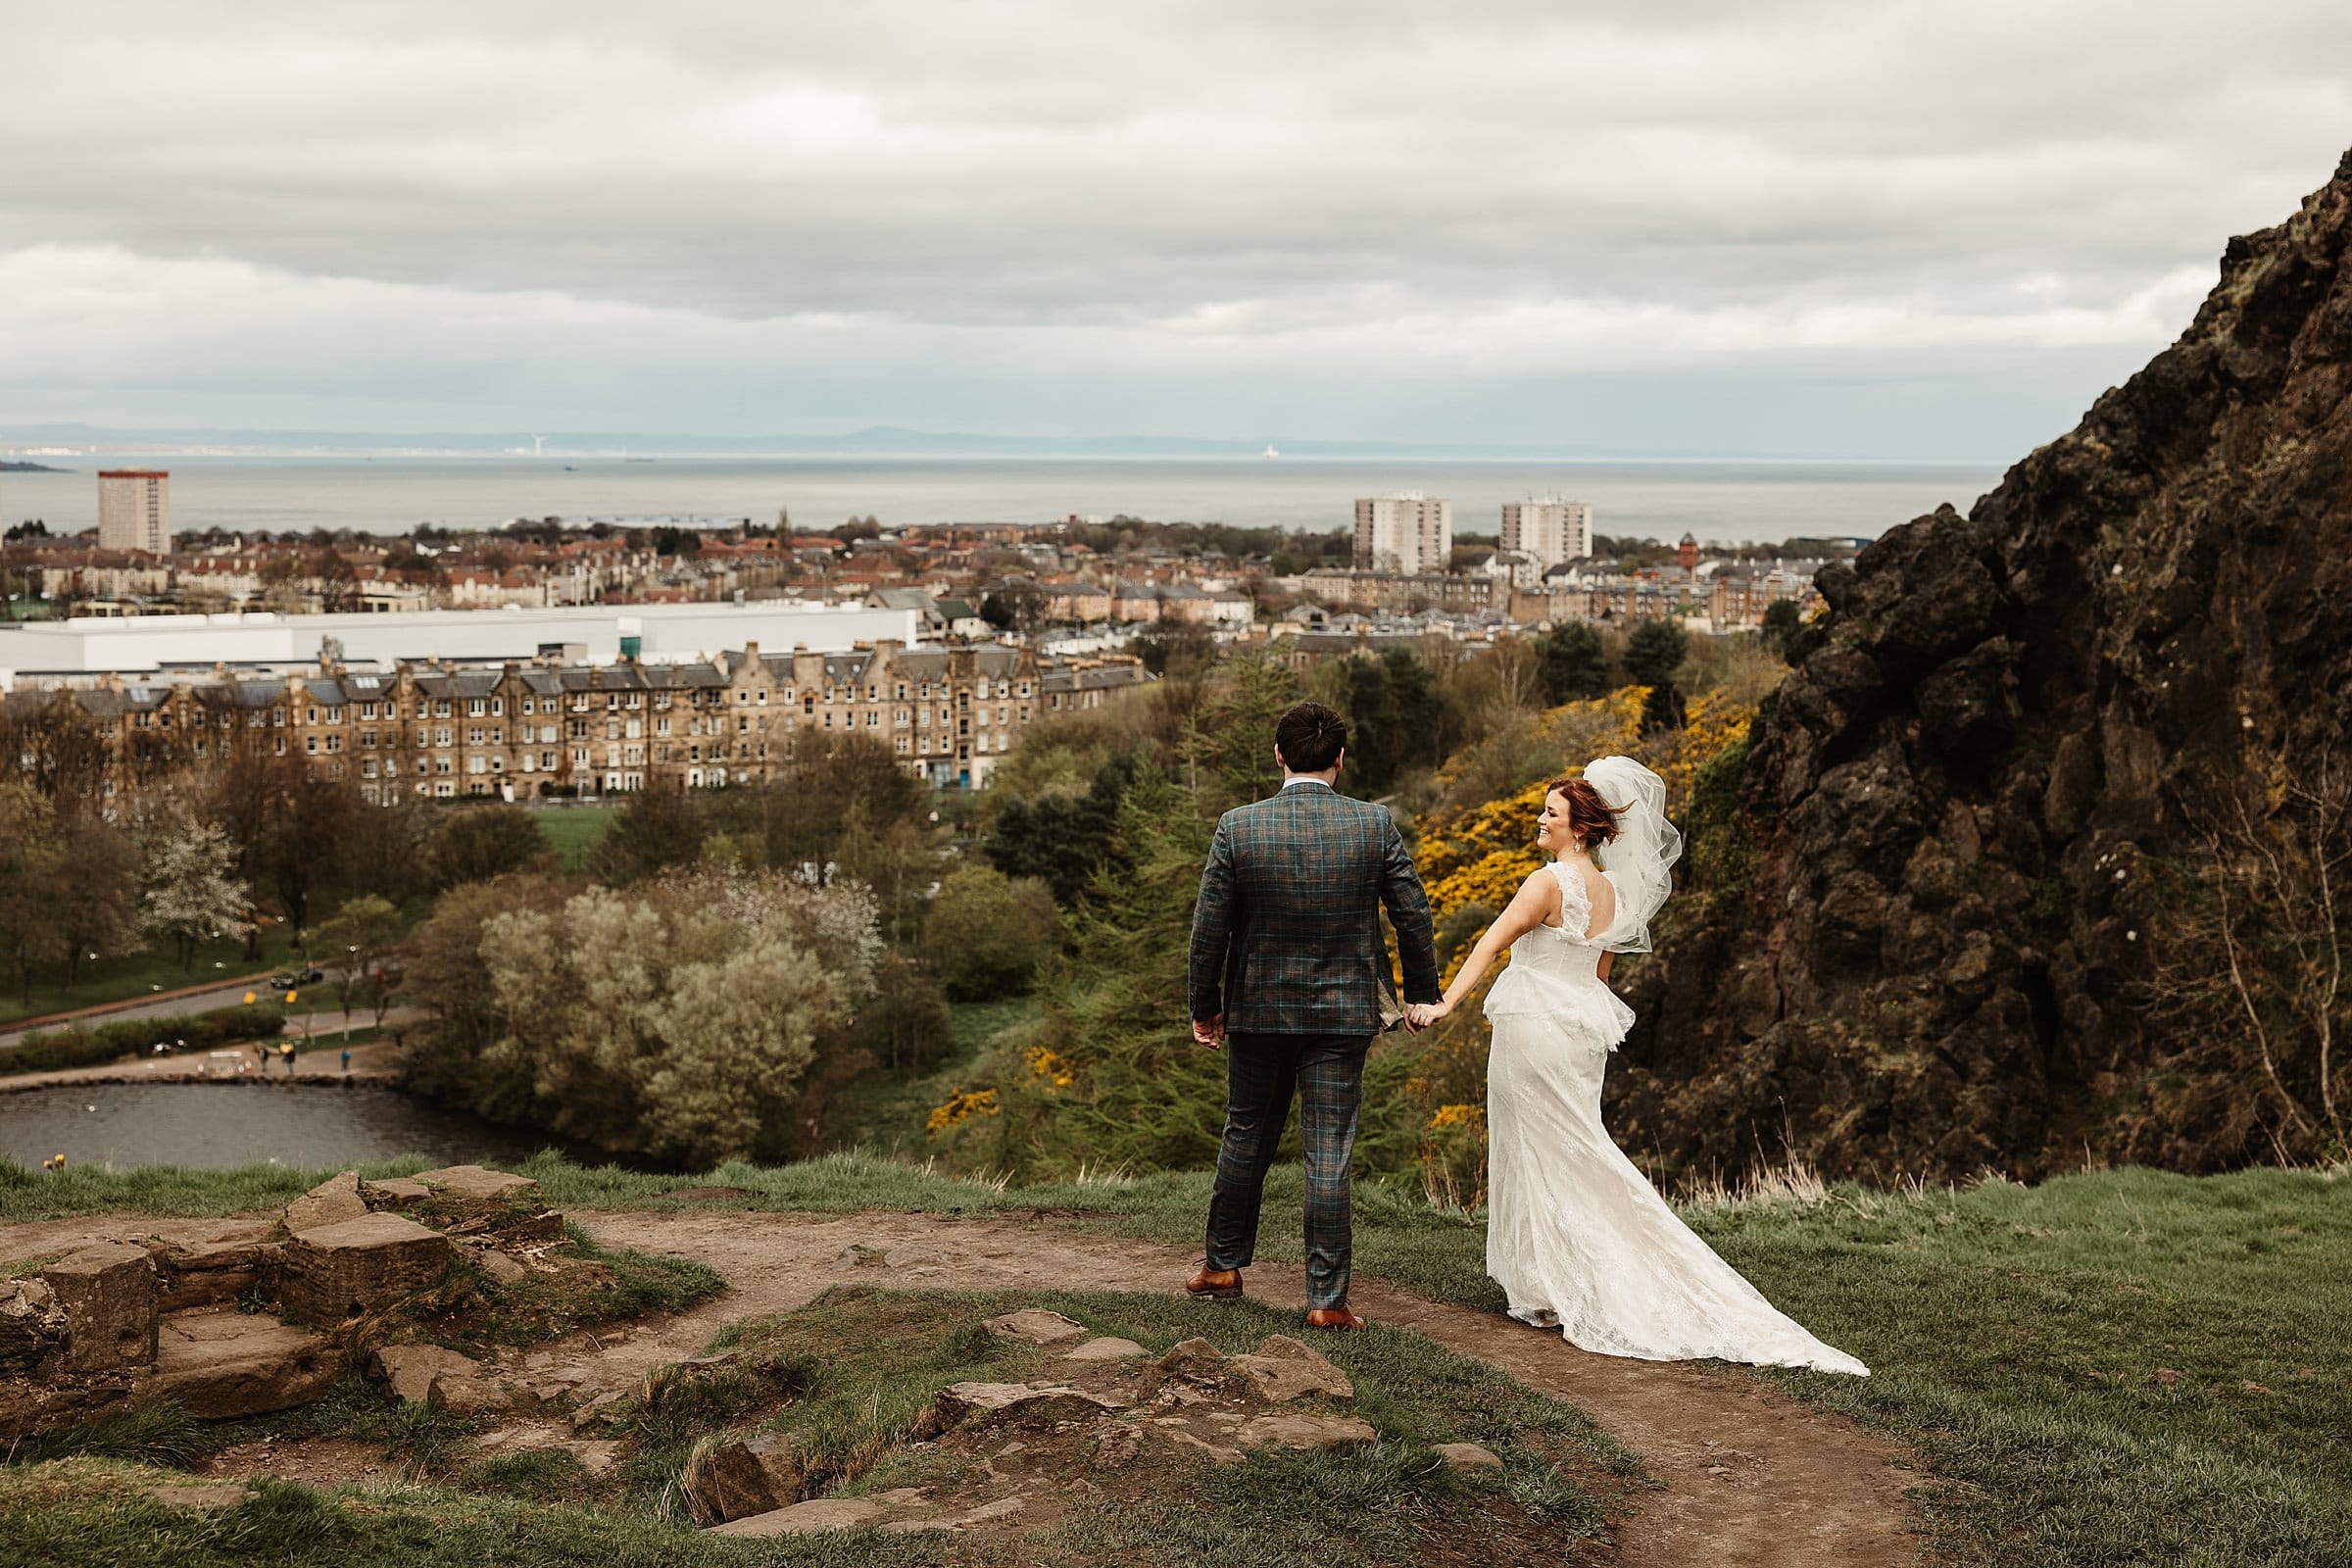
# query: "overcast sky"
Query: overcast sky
1843,227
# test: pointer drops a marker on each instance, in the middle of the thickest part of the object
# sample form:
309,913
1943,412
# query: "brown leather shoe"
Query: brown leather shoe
1214,1284
1333,1317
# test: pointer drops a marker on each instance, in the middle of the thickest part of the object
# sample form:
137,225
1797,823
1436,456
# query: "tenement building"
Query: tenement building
1401,593
422,731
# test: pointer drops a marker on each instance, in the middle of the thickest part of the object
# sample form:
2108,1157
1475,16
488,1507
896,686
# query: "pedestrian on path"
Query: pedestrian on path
347,1061
287,1050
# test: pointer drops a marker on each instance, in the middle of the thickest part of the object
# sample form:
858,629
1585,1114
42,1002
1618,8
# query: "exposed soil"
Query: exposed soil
312,1462
1749,1477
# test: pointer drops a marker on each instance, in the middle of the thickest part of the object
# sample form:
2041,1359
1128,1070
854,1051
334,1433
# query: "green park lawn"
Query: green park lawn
2114,1368
573,830
143,973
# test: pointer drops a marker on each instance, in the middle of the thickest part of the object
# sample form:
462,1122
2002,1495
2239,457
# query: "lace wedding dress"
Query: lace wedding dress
1576,1236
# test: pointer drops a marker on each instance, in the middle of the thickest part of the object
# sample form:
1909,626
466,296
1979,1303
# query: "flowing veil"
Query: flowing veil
1640,862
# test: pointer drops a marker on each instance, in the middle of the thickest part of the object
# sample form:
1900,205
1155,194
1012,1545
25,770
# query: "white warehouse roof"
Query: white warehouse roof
665,633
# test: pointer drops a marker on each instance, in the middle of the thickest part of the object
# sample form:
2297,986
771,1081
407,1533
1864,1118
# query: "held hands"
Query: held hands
1419,1015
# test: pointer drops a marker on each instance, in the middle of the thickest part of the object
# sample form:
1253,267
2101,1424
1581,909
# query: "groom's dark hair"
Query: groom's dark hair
1310,738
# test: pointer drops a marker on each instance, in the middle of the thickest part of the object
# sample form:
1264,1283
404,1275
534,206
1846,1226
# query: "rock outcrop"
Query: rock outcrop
1004,1456
1968,816
144,1318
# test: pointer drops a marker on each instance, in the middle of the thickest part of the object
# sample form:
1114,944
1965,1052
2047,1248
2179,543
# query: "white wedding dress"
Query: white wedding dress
1576,1236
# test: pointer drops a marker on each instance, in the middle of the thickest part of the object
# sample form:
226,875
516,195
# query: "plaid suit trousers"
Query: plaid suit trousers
1327,1072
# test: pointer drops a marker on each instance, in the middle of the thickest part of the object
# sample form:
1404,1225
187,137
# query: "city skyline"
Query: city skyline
1823,231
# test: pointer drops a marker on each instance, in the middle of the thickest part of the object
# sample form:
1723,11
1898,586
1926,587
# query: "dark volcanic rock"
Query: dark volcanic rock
2003,720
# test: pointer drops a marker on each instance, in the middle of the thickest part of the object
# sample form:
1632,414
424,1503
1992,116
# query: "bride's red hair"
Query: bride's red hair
1591,820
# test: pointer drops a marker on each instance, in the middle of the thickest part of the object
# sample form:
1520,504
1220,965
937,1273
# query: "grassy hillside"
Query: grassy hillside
2114,1368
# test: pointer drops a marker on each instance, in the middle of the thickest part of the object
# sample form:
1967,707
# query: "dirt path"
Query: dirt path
1752,1480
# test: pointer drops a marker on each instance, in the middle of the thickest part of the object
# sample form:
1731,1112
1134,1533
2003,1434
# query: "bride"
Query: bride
1576,1236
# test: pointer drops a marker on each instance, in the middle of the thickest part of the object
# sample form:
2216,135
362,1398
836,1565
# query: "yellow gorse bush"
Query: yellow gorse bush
960,1108
1711,721
1054,1068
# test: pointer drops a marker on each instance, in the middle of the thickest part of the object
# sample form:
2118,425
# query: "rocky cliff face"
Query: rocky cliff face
1964,797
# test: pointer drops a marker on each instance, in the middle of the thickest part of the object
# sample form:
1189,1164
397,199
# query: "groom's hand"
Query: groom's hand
1210,1031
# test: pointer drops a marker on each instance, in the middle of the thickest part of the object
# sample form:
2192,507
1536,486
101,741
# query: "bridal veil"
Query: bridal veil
1640,862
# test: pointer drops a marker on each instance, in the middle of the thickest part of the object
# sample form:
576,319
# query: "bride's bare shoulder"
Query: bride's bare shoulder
1539,896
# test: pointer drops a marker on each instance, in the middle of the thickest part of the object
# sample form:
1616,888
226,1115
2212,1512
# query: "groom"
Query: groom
1287,970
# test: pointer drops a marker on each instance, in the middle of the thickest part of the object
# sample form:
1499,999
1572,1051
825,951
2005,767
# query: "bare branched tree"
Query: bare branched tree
2252,942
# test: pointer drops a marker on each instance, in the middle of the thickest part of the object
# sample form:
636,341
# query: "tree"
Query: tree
802,819
355,938
292,826
190,891
895,861
337,579
1111,1077
1574,664
658,828
907,1027
1178,648
987,933
388,848
446,972
32,870
676,1020
98,894
58,747
1655,652
1654,656
2250,953
1394,717
1017,605
1781,621
1234,736
1060,837
475,843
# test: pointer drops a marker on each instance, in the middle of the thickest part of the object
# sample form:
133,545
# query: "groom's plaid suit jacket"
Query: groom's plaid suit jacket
1286,933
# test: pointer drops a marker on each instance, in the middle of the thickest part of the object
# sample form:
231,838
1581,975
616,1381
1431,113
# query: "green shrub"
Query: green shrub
53,1048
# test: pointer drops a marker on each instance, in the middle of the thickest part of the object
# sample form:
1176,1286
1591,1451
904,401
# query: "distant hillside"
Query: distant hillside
30,468
880,440
2034,857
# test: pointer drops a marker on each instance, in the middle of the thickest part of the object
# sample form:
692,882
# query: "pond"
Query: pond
216,1126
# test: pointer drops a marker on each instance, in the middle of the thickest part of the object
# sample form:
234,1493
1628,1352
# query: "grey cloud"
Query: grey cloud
1094,191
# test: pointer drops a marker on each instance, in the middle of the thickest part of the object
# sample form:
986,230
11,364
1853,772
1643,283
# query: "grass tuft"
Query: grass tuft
162,1432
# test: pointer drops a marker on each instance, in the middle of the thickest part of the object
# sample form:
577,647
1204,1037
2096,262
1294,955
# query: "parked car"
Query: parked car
287,982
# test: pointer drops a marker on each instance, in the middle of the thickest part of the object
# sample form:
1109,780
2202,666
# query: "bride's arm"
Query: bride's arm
1536,903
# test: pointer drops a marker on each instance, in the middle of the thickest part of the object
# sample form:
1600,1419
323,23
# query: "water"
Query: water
218,1126
1719,502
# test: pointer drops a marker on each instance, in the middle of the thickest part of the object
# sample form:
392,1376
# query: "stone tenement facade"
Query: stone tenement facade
949,713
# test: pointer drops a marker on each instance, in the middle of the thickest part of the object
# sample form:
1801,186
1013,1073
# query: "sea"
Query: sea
1719,501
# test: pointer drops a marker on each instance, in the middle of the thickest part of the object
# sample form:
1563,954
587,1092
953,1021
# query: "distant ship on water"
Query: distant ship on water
1270,452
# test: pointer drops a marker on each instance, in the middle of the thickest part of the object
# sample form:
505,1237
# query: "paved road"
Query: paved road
183,1004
